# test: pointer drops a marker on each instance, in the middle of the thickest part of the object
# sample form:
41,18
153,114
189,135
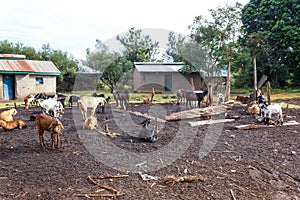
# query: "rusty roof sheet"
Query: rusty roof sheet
28,66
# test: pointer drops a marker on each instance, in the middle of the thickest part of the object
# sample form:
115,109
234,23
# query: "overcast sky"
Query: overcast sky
74,26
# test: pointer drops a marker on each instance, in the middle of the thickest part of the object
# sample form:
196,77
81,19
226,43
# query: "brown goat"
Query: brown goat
53,125
28,100
11,125
7,115
149,99
243,99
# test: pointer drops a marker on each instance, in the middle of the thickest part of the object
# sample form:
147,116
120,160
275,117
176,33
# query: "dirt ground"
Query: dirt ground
241,164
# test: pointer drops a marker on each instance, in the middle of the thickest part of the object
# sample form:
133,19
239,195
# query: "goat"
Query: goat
180,94
243,99
28,100
269,110
38,97
90,123
98,95
7,115
50,124
254,109
61,98
149,99
220,97
73,99
195,96
90,102
33,115
11,125
52,107
122,99
147,134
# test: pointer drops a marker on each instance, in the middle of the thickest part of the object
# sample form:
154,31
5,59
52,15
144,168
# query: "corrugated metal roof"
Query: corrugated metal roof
28,67
158,67
12,56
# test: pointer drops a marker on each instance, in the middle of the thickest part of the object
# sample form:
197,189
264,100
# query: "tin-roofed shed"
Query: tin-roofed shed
20,77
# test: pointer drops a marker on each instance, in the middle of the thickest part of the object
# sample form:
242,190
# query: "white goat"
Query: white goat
220,97
147,134
269,110
52,107
90,102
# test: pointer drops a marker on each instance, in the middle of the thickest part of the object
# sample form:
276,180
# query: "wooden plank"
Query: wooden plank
255,126
199,112
210,121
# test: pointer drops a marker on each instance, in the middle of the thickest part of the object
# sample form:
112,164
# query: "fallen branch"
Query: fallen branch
92,179
232,194
142,115
210,121
172,180
255,126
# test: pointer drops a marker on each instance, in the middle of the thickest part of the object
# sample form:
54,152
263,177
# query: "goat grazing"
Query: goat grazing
147,134
11,125
52,107
90,102
90,123
269,110
50,124
7,115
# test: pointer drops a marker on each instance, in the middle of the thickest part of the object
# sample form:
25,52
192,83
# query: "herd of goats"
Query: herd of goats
52,108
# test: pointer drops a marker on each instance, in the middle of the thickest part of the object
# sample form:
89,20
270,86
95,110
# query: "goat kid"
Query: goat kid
180,94
243,99
50,124
122,99
269,110
90,123
7,115
220,97
11,125
73,99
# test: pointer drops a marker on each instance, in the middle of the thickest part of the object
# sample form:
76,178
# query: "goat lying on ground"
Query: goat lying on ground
50,124
11,125
147,134
52,107
28,100
73,99
7,115
149,99
90,123
90,102
269,110
243,99
254,108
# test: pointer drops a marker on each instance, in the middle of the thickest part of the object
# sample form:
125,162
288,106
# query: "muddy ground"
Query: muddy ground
230,164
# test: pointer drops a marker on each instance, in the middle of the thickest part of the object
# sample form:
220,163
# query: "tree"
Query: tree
138,47
277,23
217,37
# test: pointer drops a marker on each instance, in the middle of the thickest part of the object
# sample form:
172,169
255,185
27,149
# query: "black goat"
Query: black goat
73,99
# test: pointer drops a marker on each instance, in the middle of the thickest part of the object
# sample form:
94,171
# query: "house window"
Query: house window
39,81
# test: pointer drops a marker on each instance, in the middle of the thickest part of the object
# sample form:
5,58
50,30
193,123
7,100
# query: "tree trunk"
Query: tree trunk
268,93
227,95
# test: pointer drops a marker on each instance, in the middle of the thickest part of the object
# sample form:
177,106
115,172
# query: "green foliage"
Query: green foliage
138,47
273,32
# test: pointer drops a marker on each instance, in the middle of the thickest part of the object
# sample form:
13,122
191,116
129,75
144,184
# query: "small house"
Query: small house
164,77
20,77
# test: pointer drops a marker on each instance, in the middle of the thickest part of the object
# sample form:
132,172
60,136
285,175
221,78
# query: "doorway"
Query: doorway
8,87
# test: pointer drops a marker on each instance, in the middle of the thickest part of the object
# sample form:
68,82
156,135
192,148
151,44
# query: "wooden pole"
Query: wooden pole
227,95
269,93
255,79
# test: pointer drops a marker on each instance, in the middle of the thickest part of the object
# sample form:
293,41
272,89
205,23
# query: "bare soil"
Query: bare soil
243,164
